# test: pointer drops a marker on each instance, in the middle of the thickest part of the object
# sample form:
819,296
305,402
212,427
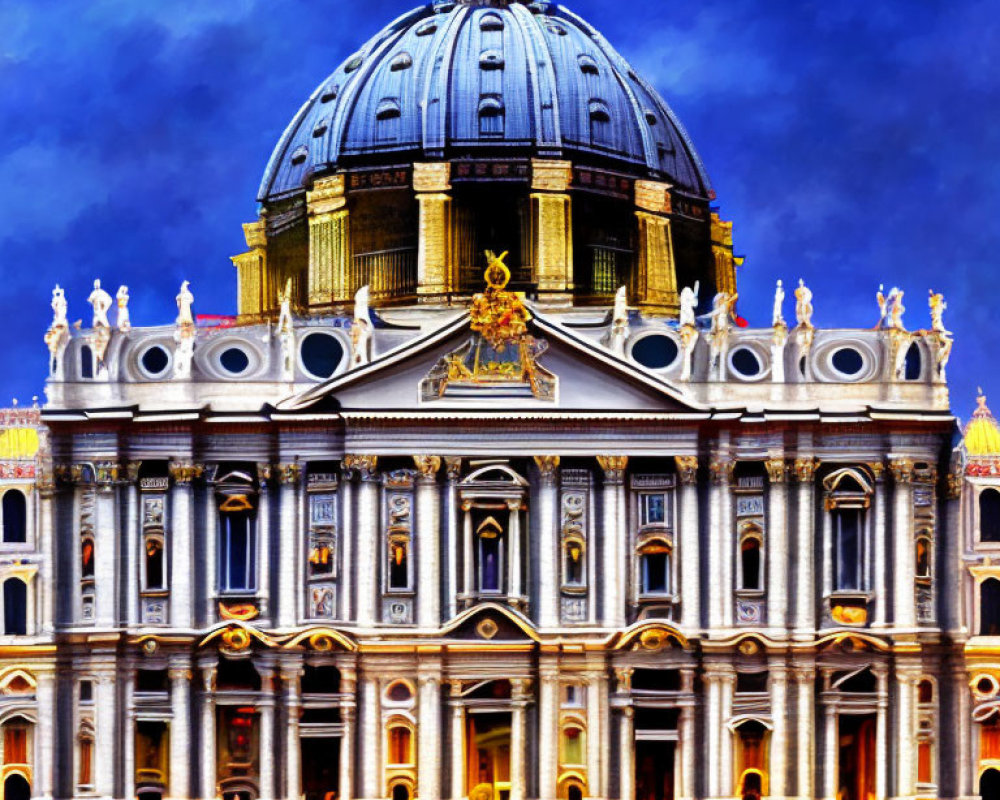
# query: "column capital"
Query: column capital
777,469
427,468
547,466
721,469
132,471
178,672
623,679
328,195
366,466
183,472
614,468
804,674
687,470
954,483
551,175
805,468
432,177
653,196
265,473
454,467
877,469
520,689
107,473
289,474
901,469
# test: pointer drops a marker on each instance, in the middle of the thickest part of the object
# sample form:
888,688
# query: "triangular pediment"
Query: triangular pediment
585,377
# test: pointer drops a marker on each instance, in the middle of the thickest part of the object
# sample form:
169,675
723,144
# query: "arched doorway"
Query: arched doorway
16,788
989,785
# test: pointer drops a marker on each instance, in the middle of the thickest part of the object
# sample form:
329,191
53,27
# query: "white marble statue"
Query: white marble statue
723,306
361,330
59,309
689,303
778,316
938,307
619,323
185,301
896,310
285,315
803,305
286,333
883,306
124,322
101,302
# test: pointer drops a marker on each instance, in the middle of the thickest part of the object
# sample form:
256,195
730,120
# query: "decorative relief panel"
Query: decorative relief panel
574,526
324,555
397,547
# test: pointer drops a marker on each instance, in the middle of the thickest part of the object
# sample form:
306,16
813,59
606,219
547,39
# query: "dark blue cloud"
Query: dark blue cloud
852,143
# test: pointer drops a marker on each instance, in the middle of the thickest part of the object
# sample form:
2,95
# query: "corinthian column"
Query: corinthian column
518,738
348,713
549,578
429,763
907,678
904,566
107,542
268,751
180,726
47,499
181,538
289,542
108,718
206,744
805,589
551,206
805,679
45,751
689,543
368,536
616,540
548,730
777,546
880,569
453,547
779,735
721,539
330,281
133,545
291,674
428,508
657,273
457,741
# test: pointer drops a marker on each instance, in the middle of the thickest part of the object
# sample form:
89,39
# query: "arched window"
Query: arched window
989,785
600,123
15,787
492,117
573,562
574,792
490,536
989,516
400,745
848,497
15,516
399,692
387,120
15,607
573,745
914,363
989,608
15,742
399,562
86,363
87,557
237,545
155,571
400,792
923,557
750,562
654,567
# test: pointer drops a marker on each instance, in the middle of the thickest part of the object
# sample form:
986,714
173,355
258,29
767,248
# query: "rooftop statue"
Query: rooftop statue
883,306
59,308
286,332
804,305
101,302
689,304
896,310
619,323
285,302
185,300
938,307
185,333
124,322
777,316
361,329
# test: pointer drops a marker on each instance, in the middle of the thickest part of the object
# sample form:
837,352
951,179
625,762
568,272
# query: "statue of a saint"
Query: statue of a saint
778,317
361,330
185,300
689,302
883,306
59,308
804,305
619,323
124,322
101,302
938,307
896,310
285,301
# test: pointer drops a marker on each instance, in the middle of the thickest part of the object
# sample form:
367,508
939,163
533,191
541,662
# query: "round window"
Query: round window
399,692
746,362
848,361
655,351
321,354
155,360
234,360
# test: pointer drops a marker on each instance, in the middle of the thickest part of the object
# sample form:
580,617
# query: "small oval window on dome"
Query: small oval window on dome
491,59
401,62
745,362
155,361
600,123
321,354
491,117
353,64
848,362
387,109
387,114
553,28
651,118
329,93
491,22
599,111
300,154
656,351
321,127
234,360
588,66
427,29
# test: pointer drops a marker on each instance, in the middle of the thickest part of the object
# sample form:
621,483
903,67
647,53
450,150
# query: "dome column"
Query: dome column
251,269
722,251
552,226
432,184
330,280
656,279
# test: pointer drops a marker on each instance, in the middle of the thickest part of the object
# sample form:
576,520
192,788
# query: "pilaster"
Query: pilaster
181,743
553,232
290,543
251,269
291,674
330,284
428,508
432,184
656,281
721,539
549,560
430,767
181,538
548,730
690,541
804,471
616,539
368,537
776,547
904,559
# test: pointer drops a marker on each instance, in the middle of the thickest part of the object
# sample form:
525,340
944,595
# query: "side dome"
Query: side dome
485,78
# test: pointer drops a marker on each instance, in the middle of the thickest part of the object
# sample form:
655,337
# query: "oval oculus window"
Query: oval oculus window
321,354
155,360
655,351
848,361
234,360
746,362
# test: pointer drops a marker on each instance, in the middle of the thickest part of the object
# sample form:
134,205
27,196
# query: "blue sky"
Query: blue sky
851,142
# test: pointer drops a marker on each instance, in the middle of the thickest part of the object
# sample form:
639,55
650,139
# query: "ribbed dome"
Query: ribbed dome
982,435
485,78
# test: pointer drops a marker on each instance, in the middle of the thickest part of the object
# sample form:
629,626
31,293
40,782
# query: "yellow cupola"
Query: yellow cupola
982,434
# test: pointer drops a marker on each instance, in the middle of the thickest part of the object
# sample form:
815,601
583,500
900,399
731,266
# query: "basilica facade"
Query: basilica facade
487,491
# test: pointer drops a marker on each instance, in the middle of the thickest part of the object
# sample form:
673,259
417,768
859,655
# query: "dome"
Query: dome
478,78
982,435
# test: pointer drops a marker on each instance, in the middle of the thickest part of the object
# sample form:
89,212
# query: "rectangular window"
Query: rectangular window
925,772
653,509
15,744
849,549
86,763
237,553
656,573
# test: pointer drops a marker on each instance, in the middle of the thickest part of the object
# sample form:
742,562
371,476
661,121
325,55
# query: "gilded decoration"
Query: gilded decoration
687,469
777,470
501,355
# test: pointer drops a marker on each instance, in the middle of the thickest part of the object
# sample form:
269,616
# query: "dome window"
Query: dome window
321,355
558,30
353,64
300,154
599,111
600,123
427,29
387,109
321,127
746,363
588,66
329,93
491,117
387,114
650,117
655,351
234,360
401,62
155,361
491,22
491,59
